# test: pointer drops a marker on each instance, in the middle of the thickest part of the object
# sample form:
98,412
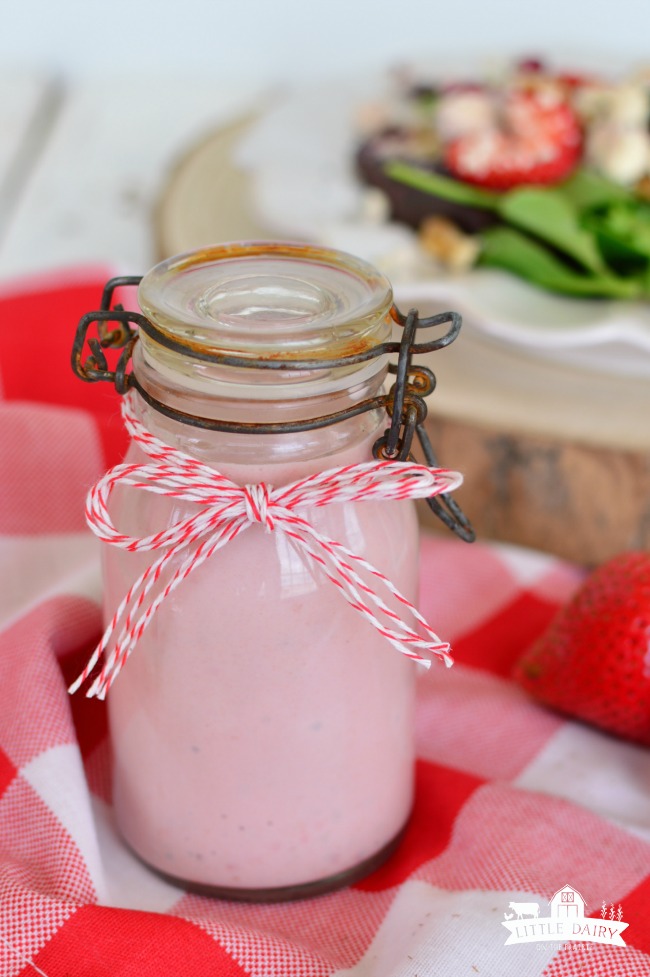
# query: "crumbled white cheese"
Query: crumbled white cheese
622,154
463,113
625,105
375,206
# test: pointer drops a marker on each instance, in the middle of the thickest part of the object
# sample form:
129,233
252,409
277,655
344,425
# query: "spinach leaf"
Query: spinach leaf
629,224
505,247
543,212
598,225
442,186
588,190
549,215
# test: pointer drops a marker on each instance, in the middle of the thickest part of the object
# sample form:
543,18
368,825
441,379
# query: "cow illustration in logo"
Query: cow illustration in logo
525,909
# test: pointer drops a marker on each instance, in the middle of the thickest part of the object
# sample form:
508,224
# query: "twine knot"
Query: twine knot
221,510
257,500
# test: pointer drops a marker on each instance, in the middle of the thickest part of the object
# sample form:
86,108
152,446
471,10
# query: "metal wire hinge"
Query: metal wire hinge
118,328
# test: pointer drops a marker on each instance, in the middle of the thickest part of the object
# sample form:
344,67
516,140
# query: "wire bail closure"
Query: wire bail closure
118,328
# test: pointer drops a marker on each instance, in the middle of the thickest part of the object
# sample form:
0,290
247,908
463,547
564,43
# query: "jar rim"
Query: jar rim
262,299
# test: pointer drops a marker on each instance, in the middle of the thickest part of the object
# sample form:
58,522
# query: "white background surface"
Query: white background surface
278,40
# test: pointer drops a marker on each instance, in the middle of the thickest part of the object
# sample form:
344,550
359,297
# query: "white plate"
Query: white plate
300,158
608,336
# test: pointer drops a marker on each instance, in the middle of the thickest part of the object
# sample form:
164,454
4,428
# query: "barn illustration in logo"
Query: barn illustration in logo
566,921
567,903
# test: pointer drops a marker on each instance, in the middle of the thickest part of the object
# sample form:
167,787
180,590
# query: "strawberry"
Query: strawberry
573,80
593,663
539,140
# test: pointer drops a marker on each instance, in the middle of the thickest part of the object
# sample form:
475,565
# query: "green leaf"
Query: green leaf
627,224
442,186
645,282
505,247
588,190
549,215
600,225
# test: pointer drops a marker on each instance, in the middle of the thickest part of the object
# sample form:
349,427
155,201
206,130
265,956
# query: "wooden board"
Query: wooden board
554,457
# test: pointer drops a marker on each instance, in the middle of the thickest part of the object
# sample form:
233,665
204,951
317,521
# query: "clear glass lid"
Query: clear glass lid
281,301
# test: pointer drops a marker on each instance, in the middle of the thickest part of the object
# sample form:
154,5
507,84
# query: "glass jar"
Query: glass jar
262,731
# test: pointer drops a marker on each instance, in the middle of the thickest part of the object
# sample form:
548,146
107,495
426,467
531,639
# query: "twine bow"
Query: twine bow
224,510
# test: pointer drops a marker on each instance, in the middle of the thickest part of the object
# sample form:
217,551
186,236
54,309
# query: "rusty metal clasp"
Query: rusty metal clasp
405,404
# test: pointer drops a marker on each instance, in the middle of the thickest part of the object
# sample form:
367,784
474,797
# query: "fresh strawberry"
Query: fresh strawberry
539,140
593,663
573,79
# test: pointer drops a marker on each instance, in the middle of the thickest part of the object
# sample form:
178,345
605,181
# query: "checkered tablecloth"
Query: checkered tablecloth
512,803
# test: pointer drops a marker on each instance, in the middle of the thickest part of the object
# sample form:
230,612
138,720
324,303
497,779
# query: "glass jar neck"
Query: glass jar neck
351,439
261,334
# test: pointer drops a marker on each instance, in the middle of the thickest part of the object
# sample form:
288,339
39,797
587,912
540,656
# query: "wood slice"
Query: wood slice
568,498
206,199
554,458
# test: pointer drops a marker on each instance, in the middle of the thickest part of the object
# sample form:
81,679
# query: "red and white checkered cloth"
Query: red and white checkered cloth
512,801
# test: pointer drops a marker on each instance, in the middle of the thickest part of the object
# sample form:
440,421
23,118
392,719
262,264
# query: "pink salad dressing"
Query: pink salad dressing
262,729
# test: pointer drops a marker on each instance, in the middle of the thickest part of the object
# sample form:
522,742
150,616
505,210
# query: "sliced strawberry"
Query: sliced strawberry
539,141
593,663
573,80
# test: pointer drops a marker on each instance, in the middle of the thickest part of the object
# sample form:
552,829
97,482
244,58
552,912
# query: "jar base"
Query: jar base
287,893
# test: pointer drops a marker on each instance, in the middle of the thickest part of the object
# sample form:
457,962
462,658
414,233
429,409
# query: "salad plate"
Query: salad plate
543,404
593,335
300,157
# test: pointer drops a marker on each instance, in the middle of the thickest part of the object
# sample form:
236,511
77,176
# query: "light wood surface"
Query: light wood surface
99,166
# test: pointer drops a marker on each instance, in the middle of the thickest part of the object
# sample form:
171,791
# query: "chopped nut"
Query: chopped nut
642,189
445,242
425,144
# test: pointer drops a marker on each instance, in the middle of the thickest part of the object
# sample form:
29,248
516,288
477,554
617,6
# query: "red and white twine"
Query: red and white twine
225,510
